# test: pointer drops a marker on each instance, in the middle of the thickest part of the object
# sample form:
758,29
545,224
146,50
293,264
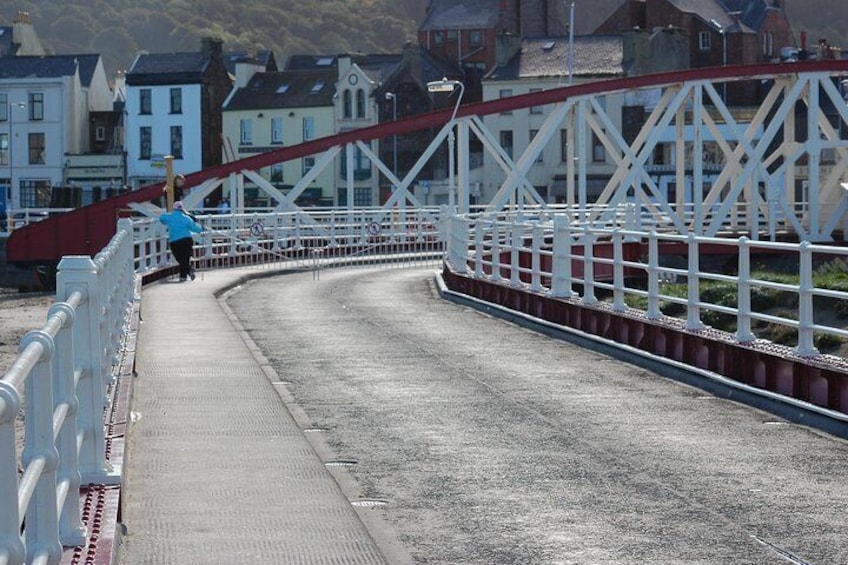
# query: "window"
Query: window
177,142
277,131
145,135
145,101
36,105
347,104
704,41
4,149
475,38
438,37
176,100
360,103
506,142
361,196
308,163
505,93
276,176
36,149
563,145
99,133
536,109
599,152
768,44
246,131
4,107
35,193
451,35
308,128
533,134
361,164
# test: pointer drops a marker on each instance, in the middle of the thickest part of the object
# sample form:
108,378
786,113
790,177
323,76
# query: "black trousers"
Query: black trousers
181,249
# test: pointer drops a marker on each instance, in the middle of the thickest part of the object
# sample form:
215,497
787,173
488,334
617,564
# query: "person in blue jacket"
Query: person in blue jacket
180,226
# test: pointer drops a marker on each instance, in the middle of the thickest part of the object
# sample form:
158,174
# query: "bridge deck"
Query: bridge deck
218,469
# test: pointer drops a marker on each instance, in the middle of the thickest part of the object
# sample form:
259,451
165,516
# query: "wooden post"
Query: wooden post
169,181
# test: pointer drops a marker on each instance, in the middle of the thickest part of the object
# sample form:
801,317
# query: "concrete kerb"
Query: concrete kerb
793,410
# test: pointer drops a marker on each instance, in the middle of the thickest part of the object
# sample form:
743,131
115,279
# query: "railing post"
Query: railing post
457,244
71,530
589,297
806,344
496,251
479,234
618,304
536,271
693,281
743,317
654,312
516,244
11,543
561,262
79,274
42,516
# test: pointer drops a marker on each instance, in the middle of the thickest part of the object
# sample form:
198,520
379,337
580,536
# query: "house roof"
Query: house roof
87,66
6,42
285,89
710,11
752,12
307,62
41,67
594,56
264,57
167,68
462,14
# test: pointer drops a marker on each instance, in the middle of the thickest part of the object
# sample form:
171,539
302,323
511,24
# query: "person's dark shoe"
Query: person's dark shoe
191,274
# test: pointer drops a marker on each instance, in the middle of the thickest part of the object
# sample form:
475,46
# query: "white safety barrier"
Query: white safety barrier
558,255
301,239
63,371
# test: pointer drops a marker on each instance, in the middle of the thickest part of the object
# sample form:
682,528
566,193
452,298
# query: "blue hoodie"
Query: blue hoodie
179,224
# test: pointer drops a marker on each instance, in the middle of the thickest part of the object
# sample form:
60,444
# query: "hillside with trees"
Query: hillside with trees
119,29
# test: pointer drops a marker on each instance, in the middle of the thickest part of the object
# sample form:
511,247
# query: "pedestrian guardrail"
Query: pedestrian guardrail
300,239
58,384
559,256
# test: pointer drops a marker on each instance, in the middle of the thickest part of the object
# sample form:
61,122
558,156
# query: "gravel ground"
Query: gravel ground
19,314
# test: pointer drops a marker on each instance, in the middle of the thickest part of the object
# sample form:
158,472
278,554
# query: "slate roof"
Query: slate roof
594,56
285,89
462,14
307,62
264,57
753,11
167,68
53,66
709,10
6,42
87,66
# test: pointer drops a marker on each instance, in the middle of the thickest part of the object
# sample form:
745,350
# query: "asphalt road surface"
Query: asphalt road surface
481,442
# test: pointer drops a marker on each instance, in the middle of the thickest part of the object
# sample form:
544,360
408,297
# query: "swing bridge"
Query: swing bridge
695,181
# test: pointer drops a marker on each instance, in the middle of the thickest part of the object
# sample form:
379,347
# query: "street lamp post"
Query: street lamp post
723,32
446,85
10,116
393,97
571,44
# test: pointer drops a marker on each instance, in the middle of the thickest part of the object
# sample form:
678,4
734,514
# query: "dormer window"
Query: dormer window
282,89
316,88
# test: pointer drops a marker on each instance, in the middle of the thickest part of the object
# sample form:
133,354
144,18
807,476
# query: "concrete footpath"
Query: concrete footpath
218,470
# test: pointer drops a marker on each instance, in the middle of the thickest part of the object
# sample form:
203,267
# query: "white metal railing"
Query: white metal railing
301,239
63,370
60,381
559,256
